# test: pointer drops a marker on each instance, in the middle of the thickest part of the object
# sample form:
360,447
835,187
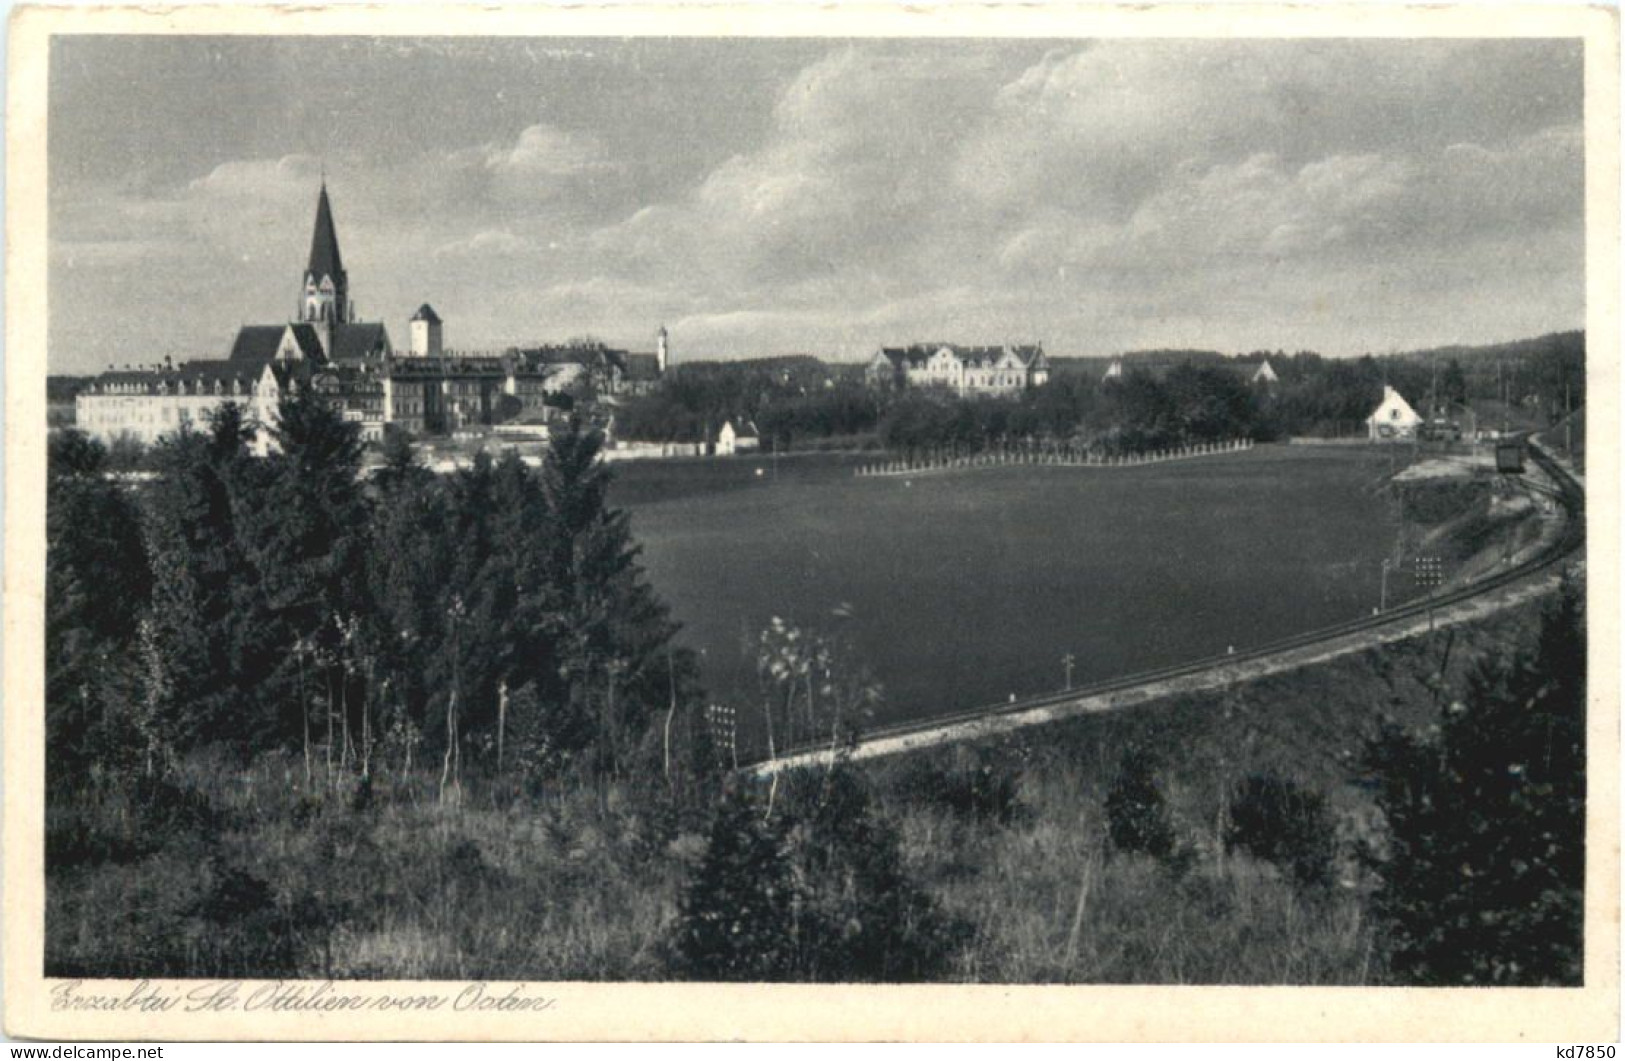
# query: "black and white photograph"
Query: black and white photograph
1074,509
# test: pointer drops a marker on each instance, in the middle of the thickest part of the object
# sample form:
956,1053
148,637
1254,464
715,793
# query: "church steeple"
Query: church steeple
326,294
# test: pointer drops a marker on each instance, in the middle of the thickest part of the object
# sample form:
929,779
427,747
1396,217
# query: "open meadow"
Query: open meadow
962,588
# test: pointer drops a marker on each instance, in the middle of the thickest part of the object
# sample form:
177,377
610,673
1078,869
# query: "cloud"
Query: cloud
848,174
547,152
259,178
483,244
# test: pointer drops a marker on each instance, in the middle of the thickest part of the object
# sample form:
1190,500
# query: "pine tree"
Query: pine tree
306,522
608,625
207,658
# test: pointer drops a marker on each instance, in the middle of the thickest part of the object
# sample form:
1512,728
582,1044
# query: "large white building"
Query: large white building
997,370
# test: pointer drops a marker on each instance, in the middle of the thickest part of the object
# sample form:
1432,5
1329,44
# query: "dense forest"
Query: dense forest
255,603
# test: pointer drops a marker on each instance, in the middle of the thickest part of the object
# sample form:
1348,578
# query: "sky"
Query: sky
764,197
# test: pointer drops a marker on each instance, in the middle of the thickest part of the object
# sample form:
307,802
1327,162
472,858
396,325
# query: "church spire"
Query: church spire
326,294
324,242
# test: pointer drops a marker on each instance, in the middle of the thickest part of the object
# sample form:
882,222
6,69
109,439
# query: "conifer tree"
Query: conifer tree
206,655
608,625
307,525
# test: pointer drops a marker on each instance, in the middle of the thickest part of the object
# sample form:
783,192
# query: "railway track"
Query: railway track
1556,553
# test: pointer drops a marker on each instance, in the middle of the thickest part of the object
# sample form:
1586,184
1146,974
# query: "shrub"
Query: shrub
976,790
1282,823
823,896
734,917
1137,818
860,916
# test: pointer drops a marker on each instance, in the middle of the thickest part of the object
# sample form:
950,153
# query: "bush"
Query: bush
976,790
1278,821
734,917
861,918
1137,818
820,896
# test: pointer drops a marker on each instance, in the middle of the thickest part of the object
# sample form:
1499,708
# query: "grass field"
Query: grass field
966,587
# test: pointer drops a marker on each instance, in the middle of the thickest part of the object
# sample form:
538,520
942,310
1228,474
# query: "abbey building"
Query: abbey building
423,389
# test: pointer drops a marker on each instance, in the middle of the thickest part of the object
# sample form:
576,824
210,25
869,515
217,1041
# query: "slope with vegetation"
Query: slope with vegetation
435,727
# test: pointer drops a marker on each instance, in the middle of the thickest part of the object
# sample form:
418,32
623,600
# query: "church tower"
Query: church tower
661,352
426,332
325,298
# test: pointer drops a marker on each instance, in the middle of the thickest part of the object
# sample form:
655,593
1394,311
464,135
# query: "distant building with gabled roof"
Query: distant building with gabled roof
742,439
1393,420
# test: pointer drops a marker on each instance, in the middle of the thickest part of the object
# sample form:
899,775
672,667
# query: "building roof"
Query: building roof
257,342
354,342
596,357
642,368
916,354
1393,401
913,356
324,242
310,343
426,313
435,367
191,374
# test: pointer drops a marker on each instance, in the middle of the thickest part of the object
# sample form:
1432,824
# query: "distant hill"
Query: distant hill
1552,345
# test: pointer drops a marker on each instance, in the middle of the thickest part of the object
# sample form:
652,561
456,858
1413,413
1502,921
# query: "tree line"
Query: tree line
1163,399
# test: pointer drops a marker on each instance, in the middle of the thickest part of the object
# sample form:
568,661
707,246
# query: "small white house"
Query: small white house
743,439
1265,375
1393,420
